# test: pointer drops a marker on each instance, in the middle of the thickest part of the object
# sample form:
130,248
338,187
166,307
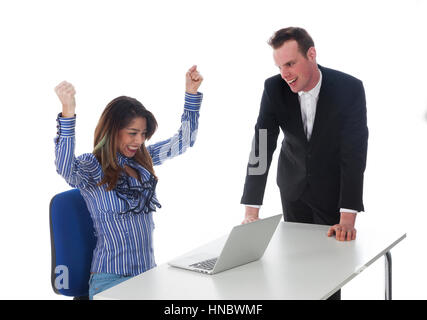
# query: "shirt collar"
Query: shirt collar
315,91
122,160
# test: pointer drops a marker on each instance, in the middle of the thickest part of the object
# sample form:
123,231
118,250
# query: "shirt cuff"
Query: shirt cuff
193,101
252,205
66,126
348,210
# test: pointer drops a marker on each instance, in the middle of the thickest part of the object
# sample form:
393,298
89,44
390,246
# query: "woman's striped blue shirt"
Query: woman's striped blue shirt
122,217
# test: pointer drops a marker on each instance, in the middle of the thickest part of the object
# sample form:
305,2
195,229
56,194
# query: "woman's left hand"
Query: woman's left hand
193,80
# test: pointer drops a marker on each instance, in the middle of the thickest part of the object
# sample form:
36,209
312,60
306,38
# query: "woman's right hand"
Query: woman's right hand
193,80
66,94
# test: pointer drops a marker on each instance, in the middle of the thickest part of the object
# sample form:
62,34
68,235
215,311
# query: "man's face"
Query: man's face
299,72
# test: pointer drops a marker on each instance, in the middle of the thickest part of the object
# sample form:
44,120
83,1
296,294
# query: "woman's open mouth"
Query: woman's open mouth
132,150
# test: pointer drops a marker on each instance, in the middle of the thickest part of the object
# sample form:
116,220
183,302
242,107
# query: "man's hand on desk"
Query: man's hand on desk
344,231
251,214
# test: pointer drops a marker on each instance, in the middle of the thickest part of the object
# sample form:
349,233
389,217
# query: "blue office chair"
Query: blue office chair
72,243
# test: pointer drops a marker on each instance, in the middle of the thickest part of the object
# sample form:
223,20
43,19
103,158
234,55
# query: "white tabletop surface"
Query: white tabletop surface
301,262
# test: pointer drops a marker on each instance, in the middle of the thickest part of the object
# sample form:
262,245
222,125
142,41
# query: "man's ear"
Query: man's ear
311,54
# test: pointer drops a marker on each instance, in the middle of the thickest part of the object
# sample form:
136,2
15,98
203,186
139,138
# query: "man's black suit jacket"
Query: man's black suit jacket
332,162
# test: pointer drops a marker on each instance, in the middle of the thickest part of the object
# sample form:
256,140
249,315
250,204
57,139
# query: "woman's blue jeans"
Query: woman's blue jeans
99,282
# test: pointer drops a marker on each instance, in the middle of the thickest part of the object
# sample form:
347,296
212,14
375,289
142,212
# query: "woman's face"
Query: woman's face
132,137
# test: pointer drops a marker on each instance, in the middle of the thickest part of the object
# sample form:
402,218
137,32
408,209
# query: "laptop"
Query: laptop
245,243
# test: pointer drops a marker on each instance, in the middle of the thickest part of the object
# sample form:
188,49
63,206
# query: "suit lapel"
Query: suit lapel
295,110
290,113
322,107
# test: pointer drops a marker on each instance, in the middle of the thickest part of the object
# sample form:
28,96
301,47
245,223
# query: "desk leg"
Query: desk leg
388,275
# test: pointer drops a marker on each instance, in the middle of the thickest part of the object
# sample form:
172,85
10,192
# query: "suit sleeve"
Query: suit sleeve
263,146
353,146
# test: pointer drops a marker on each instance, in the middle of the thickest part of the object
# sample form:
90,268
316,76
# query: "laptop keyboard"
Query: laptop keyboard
205,265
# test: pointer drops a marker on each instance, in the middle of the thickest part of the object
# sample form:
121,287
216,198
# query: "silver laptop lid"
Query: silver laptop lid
246,243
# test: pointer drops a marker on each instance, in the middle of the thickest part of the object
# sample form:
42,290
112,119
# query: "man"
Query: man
322,113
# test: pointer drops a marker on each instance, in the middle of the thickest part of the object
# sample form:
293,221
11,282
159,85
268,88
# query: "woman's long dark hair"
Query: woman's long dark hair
116,116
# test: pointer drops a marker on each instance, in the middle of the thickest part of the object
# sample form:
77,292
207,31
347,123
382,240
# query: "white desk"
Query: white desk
301,262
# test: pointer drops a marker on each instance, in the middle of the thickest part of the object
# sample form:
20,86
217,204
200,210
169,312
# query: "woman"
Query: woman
117,179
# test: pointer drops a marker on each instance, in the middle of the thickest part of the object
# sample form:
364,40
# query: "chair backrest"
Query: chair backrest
72,243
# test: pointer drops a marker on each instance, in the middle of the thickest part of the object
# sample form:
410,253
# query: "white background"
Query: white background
143,49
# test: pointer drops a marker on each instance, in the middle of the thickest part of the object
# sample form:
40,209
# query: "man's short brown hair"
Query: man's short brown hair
301,36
